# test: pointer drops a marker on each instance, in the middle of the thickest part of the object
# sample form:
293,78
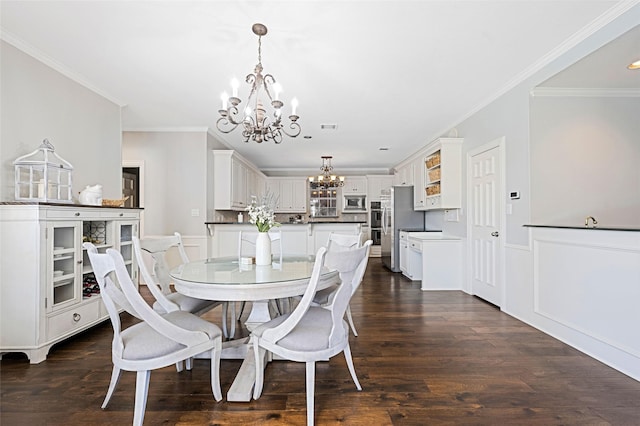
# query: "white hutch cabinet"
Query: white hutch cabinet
47,288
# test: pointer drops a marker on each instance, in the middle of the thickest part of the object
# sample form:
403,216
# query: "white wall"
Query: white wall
175,179
39,102
585,156
509,117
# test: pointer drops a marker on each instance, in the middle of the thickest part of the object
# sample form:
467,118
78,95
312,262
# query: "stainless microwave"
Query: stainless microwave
355,203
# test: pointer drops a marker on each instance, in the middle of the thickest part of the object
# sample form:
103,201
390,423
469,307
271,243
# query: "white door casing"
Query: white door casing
486,206
139,164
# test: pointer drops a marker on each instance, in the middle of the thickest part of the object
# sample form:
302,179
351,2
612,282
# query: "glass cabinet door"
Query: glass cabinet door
63,272
125,231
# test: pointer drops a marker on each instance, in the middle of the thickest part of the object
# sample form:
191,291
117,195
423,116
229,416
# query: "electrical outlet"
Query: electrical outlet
195,212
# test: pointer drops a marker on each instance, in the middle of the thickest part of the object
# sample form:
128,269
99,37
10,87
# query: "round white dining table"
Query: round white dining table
227,279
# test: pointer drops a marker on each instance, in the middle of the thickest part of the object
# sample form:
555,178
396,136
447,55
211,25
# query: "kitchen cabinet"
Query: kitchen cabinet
356,185
235,181
256,184
48,290
419,195
290,194
410,256
404,253
403,175
376,184
441,264
442,175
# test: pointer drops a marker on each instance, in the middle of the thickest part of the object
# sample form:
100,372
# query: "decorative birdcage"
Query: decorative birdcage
43,176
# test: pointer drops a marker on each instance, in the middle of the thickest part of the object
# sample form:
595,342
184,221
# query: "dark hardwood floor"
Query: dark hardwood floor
421,357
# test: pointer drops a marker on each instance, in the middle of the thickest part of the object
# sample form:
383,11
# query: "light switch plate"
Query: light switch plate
451,215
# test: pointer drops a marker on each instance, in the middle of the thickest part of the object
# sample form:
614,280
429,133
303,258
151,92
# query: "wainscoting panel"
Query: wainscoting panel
591,286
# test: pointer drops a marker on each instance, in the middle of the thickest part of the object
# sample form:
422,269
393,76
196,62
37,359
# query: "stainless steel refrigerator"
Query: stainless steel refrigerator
397,214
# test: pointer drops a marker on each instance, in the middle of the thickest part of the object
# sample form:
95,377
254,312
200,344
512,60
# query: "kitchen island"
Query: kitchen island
297,238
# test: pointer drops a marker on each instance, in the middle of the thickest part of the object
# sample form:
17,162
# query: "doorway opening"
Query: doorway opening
131,186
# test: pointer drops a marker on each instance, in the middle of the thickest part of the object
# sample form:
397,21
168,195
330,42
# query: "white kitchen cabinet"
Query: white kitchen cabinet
442,175
403,175
48,290
376,184
236,180
256,184
356,185
404,253
414,259
290,194
410,256
441,264
419,194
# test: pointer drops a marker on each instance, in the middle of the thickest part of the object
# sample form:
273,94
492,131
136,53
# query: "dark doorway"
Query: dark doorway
131,186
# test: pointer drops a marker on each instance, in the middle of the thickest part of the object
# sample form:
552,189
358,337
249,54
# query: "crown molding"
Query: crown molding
606,18
193,129
39,55
584,92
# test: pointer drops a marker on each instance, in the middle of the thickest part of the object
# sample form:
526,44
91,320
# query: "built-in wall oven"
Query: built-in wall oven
375,222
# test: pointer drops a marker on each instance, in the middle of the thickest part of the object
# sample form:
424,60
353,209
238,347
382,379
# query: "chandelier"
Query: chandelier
326,179
256,124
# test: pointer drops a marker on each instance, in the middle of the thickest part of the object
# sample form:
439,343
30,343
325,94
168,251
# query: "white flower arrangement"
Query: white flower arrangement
262,215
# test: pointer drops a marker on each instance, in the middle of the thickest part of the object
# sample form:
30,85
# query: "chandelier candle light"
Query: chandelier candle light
255,121
326,179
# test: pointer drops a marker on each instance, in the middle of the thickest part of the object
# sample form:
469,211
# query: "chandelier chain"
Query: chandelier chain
260,50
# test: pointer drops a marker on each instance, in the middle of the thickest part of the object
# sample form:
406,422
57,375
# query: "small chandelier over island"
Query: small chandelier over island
326,179
255,120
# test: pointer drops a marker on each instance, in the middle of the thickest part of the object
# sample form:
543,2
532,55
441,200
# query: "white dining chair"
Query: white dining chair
158,341
333,261
247,248
340,242
159,283
311,333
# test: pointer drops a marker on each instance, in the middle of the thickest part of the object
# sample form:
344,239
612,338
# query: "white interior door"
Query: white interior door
486,215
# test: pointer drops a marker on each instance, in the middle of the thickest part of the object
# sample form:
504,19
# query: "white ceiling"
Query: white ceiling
393,74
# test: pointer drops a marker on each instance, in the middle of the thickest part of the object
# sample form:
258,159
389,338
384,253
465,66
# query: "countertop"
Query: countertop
315,222
431,236
597,228
70,205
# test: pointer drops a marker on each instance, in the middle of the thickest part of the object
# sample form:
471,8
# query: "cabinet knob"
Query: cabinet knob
77,213
76,317
121,214
495,234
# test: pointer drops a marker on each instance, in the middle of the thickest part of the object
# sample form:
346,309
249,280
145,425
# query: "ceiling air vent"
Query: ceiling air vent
328,126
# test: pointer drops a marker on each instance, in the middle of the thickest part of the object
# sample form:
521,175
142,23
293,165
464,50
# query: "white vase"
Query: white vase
263,249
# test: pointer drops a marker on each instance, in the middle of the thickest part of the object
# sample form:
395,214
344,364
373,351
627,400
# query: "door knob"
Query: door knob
495,234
